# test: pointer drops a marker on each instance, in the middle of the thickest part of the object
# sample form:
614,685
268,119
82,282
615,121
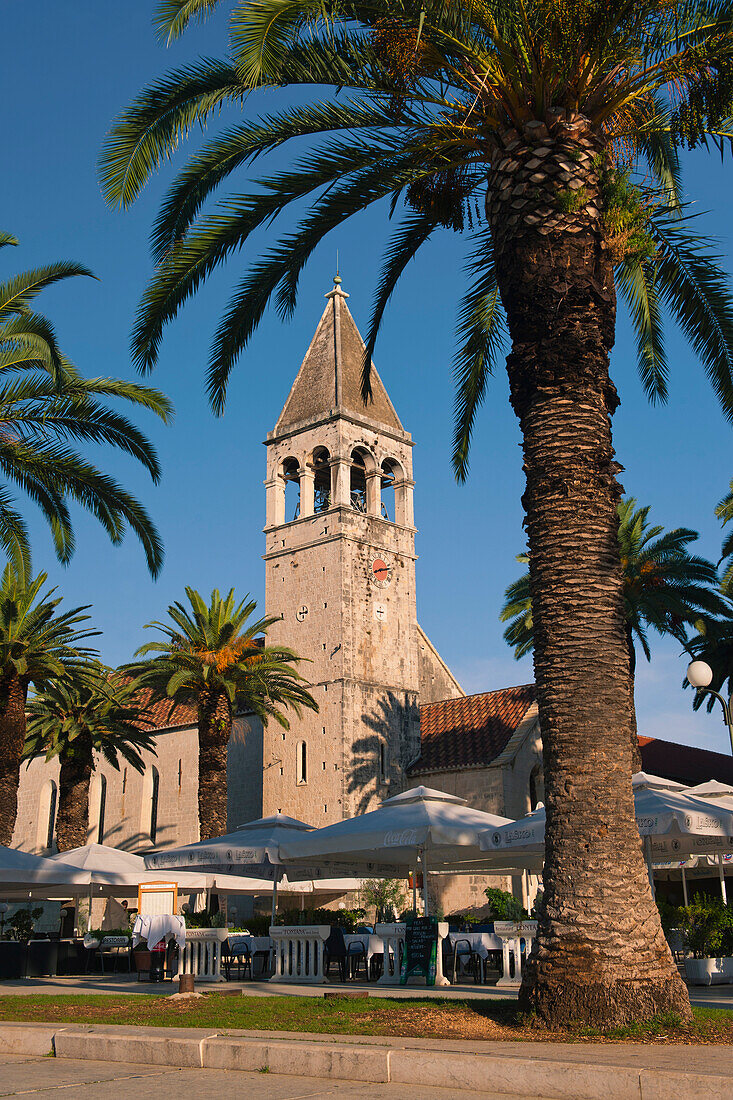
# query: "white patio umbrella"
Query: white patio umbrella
718,793
23,872
673,824
252,850
438,830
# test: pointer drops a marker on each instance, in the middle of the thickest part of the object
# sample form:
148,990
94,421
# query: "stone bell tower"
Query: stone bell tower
340,571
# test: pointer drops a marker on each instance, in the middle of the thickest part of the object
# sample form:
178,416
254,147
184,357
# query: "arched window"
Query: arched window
155,787
291,477
322,480
301,762
536,786
383,762
102,808
47,815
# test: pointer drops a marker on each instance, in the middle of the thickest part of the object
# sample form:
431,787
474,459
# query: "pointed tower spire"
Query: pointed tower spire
329,379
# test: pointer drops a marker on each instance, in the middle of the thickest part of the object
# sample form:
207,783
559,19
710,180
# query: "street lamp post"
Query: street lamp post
700,675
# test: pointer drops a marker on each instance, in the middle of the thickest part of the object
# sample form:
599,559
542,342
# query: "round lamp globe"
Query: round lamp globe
699,674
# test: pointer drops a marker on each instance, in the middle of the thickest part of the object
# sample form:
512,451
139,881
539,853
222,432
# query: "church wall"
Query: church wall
483,788
128,795
244,772
437,682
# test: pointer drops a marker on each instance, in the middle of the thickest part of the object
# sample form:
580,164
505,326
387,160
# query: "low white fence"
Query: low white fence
512,935
393,938
201,955
299,953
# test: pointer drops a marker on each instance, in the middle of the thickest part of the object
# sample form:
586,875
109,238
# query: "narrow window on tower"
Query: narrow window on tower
291,477
302,762
180,775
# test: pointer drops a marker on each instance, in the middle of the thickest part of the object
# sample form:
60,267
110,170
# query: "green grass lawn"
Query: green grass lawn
419,1018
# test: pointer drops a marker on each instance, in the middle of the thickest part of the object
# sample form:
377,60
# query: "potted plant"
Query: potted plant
708,931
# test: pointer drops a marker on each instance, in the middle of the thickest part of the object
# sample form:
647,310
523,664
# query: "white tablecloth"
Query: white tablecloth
481,942
374,945
162,926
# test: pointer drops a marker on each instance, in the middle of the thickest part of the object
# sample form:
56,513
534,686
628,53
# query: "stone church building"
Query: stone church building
341,580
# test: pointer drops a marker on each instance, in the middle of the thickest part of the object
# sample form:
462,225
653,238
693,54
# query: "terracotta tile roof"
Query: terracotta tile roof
162,717
685,763
471,731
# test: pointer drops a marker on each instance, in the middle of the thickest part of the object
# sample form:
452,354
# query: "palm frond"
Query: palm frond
637,281
482,334
172,17
696,290
414,232
149,131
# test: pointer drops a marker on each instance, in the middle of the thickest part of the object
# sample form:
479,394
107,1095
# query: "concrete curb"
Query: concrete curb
510,1075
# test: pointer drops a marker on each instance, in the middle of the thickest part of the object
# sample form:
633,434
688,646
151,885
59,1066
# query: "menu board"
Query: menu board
156,898
421,950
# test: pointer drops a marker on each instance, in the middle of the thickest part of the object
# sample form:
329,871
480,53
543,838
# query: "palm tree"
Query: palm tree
92,711
547,132
38,645
44,404
665,587
213,658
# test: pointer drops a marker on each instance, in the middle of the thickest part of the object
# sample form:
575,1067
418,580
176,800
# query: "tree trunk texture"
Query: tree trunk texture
72,820
215,727
13,694
636,761
601,957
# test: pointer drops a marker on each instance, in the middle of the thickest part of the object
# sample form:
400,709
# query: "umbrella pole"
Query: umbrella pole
721,872
650,869
274,900
414,891
684,887
425,883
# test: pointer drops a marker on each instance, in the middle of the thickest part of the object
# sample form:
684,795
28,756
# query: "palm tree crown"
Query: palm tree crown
665,587
430,95
213,657
38,645
44,405
91,711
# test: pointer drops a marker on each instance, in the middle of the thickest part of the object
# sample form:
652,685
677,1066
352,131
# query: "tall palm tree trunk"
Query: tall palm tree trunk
215,727
601,954
72,821
13,694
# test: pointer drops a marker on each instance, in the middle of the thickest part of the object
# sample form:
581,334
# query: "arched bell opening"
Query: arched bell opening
291,476
393,492
358,482
322,492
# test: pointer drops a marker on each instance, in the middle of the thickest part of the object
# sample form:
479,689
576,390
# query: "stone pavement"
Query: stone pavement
719,996
85,1080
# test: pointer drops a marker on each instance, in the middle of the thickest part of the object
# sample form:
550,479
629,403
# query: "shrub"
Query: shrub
504,906
385,895
21,924
708,928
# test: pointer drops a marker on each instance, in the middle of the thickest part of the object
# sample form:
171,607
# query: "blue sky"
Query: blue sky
68,69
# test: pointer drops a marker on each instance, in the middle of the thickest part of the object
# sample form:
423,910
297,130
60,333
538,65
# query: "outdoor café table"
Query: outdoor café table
373,945
258,947
481,943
